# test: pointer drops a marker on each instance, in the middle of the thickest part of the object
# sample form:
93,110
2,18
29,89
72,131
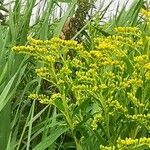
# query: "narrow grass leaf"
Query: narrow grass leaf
51,138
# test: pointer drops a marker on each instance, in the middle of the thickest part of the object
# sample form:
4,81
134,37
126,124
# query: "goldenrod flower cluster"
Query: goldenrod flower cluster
116,106
111,78
44,99
107,147
135,101
147,75
65,71
129,144
99,69
42,72
141,61
141,118
145,14
97,119
128,30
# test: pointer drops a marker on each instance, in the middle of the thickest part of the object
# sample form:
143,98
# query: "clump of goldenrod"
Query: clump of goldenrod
111,79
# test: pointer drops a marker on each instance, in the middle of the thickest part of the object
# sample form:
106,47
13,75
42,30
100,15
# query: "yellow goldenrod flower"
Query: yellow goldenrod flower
42,72
97,119
146,14
128,30
147,66
49,59
40,97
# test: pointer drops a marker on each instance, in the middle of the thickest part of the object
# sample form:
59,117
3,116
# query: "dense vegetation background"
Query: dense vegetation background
104,108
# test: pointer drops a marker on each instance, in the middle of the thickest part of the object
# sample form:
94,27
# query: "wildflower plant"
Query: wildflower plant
103,93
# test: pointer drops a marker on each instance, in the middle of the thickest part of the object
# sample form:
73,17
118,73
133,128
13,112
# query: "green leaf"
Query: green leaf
141,147
45,143
4,94
64,1
64,18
